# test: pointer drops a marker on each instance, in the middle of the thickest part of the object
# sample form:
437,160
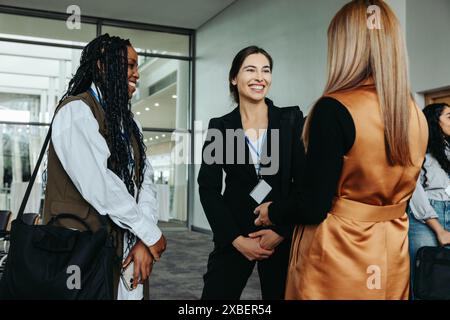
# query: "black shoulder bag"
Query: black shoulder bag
432,273
57,263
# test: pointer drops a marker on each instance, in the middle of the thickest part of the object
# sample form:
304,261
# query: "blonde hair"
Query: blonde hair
356,53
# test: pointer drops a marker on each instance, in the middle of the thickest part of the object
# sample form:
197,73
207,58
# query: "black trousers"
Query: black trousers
228,271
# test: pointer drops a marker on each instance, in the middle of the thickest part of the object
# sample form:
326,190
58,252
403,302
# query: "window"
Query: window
39,55
19,149
153,42
162,98
440,96
170,177
44,30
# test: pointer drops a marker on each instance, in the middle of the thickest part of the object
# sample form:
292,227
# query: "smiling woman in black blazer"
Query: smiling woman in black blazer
256,141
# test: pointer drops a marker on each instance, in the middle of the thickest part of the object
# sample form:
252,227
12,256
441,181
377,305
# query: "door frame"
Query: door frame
430,97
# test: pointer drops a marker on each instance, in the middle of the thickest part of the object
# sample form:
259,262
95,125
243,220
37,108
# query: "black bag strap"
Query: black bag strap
103,219
69,216
41,156
35,172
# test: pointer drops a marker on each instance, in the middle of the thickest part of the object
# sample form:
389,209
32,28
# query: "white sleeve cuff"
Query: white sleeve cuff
147,231
422,214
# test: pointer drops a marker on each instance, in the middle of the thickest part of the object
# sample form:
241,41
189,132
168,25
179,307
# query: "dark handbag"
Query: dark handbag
57,263
432,273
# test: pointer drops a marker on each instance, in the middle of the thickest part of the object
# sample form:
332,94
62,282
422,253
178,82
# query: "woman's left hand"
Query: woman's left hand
143,263
444,238
263,218
269,239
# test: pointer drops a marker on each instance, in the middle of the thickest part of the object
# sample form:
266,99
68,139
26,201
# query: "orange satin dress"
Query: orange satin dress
360,251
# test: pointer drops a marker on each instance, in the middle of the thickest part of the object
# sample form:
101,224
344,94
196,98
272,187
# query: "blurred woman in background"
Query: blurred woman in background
429,208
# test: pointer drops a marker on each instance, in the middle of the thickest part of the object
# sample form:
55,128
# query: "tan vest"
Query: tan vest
367,178
360,251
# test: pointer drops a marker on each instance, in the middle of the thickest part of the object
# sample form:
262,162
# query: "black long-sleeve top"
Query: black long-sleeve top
332,135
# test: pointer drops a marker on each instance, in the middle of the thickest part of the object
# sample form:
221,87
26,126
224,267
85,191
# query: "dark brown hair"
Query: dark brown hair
437,141
237,63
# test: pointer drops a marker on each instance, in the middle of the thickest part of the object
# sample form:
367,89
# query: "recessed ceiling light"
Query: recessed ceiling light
20,130
174,96
146,109
156,137
163,135
151,139
145,140
138,113
157,104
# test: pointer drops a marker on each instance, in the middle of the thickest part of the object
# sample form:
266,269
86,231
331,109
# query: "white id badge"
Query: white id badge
261,190
448,190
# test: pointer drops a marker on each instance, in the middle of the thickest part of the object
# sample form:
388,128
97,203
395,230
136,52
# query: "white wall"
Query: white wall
293,32
399,7
428,36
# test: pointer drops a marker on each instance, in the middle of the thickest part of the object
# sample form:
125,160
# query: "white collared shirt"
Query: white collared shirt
437,183
84,153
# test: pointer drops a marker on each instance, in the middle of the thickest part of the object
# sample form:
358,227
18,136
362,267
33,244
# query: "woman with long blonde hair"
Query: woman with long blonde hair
365,141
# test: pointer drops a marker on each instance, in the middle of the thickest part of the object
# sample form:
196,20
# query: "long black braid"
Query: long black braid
437,140
104,62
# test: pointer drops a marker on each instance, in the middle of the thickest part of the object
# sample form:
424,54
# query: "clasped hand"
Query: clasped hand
144,257
263,215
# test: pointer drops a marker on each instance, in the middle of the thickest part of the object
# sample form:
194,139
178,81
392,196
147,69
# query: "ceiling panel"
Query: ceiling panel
177,13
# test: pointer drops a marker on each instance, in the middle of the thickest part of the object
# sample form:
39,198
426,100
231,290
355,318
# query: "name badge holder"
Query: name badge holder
262,189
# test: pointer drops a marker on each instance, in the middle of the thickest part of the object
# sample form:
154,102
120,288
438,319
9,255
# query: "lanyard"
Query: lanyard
257,152
97,98
123,133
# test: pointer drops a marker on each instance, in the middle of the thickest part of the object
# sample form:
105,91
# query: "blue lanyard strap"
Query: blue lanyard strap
97,98
258,154
124,133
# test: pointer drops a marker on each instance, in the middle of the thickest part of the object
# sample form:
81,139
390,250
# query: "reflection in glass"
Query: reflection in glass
170,178
33,79
19,149
16,107
162,98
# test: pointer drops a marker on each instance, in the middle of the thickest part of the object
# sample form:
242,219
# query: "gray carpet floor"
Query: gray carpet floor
179,274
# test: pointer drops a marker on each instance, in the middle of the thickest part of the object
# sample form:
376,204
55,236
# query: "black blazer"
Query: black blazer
230,214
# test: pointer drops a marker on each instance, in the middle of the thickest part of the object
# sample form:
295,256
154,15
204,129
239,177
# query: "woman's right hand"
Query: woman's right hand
158,248
444,237
251,249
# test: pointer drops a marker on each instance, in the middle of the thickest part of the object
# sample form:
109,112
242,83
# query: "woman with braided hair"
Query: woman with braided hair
429,208
97,163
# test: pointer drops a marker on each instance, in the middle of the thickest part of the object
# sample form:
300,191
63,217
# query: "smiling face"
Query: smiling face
444,121
254,78
133,73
